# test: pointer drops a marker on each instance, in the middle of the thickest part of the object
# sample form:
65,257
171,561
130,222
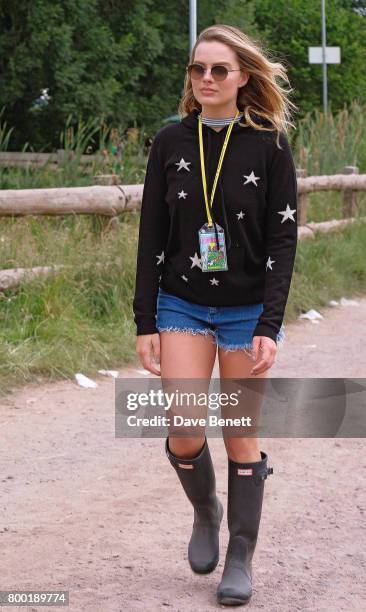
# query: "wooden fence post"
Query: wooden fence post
60,157
303,199
101,222
350,208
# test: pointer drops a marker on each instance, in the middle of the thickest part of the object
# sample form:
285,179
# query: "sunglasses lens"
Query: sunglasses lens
195,71
219,73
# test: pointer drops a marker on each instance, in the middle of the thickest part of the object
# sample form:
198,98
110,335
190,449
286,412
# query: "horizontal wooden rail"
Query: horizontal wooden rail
13,277
348,181
25,159
332,182
97,200
113,199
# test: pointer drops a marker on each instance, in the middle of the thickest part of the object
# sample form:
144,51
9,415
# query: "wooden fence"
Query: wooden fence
10,159
107,198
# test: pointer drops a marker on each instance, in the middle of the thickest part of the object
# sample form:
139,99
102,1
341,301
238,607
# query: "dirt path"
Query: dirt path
105,518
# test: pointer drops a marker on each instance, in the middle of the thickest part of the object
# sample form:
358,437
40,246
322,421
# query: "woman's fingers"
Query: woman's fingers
265,349
148,350
155,340
155,352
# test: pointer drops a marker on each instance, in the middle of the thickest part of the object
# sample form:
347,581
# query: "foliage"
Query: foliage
123,61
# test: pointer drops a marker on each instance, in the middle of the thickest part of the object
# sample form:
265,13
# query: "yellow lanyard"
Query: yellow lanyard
218,166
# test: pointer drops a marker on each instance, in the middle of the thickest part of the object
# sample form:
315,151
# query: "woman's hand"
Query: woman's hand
266,348
148,350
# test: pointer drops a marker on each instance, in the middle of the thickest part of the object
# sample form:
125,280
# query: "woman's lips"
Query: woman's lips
208,91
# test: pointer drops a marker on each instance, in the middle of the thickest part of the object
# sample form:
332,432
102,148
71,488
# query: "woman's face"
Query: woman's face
209,53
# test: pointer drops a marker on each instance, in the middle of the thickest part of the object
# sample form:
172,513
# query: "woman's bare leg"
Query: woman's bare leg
185,355
238,364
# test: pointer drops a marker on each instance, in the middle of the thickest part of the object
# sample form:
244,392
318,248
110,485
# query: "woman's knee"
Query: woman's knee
186,448
242,449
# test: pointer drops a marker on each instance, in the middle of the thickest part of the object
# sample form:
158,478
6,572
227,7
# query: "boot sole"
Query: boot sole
216,560
233,601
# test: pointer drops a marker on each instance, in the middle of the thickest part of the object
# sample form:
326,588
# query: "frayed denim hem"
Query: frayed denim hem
248,346
236,347
187,330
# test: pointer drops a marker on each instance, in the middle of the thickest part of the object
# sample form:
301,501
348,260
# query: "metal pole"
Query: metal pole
192,24
324,44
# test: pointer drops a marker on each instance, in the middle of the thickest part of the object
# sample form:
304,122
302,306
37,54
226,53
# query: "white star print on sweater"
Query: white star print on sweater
269,263
196,261
255,204
183,164
160,258
251,178
287,214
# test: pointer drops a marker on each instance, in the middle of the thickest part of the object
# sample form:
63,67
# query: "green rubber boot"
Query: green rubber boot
198,479
245,497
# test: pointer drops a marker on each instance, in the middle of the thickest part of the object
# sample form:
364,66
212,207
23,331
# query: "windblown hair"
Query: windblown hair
261,95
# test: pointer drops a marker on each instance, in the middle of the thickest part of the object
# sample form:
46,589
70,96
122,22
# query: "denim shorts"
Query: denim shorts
231,326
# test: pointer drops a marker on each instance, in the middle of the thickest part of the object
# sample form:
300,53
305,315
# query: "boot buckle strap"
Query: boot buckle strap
268,471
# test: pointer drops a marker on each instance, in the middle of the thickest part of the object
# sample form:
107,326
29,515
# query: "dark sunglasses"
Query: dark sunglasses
219,73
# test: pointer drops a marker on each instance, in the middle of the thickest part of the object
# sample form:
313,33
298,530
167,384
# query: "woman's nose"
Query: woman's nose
207,75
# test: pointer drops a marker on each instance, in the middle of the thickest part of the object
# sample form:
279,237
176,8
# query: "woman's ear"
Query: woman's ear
244,79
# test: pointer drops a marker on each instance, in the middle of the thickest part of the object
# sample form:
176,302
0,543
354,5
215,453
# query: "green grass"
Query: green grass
82,319
327,205
329,267
79,320
324,144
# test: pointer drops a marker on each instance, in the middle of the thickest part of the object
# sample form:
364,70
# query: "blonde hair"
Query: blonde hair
261,94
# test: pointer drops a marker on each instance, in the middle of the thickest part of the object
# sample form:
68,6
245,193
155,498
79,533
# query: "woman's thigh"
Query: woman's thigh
186,363
186,355
237,364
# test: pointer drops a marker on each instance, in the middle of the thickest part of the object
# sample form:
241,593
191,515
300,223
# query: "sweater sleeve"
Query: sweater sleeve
280,239
153,233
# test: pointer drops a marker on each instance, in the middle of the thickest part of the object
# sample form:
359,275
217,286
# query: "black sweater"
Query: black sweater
255,202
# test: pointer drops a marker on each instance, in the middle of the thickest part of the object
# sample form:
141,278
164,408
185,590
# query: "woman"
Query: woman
219,262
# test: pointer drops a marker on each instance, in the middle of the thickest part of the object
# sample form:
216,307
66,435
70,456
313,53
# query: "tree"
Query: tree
292,27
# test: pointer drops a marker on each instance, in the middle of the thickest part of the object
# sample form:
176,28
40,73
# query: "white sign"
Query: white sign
332,55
